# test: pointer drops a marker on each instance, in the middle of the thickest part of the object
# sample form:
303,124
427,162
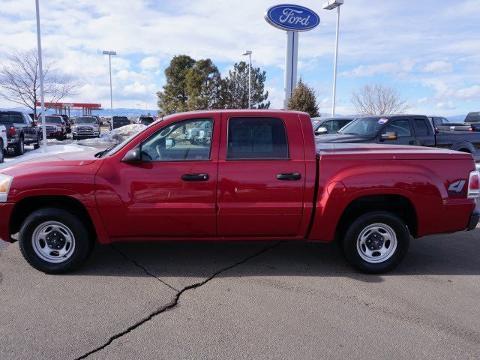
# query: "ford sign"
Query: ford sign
292,17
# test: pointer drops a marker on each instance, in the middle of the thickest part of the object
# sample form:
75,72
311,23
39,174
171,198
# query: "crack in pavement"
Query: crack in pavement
175,301
143,268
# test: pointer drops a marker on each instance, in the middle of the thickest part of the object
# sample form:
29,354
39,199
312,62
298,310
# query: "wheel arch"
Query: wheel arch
30,204
398,205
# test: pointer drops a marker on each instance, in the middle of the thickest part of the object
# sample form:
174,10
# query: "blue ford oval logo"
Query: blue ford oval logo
292,17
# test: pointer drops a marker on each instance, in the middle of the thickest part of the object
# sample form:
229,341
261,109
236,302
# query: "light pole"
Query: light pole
40,69
110,53
330,5
249,54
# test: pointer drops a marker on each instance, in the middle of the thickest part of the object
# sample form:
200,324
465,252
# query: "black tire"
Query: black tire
37,143
2,152
353,249
82,242
20,147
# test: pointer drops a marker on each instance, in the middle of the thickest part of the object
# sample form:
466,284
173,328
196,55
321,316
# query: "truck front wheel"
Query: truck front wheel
54,241
376,242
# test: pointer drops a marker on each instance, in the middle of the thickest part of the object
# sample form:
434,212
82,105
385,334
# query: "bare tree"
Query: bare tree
378,100
20,81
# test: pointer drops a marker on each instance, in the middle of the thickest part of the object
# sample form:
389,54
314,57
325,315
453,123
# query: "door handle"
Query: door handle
289,176
195,177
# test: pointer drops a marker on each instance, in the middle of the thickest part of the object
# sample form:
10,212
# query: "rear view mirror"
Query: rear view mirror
389,136
133,156
321,131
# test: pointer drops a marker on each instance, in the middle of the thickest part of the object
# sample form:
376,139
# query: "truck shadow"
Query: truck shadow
436,255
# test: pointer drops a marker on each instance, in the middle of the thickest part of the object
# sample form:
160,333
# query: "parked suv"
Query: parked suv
85,127
55,127
3,142
21,130
118,121
145,120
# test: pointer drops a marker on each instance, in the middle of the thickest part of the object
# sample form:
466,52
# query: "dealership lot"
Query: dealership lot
249,300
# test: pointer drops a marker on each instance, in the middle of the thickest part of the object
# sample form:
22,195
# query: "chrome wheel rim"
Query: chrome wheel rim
53,242
377,243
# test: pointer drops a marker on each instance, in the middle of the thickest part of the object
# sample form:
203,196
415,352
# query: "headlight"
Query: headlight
5,182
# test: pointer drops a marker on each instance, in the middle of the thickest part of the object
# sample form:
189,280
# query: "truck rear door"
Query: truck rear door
261,176
424,132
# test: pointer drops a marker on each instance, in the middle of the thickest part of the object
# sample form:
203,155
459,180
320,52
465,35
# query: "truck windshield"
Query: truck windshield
85,120
368,126
53,119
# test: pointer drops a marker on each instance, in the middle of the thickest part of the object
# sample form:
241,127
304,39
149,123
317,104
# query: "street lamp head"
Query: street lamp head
248,52
332,4
109,52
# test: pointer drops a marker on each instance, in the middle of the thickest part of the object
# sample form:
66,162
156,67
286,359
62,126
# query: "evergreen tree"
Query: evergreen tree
304,99
235,88
203,83
174,97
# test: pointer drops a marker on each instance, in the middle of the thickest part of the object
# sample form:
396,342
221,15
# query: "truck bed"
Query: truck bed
380,151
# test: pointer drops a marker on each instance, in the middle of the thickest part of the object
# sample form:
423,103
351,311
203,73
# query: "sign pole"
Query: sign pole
291,62
40,70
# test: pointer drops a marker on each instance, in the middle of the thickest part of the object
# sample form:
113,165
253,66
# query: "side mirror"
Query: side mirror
389,136
133,156
321,131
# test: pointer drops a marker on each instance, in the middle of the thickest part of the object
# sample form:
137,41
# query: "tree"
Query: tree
304,99
20,81
378,100
235,88
174,97
203,86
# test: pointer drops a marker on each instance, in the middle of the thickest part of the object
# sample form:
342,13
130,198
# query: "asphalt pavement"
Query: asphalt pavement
244,301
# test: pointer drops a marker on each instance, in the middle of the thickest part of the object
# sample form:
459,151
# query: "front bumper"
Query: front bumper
5,214
474,218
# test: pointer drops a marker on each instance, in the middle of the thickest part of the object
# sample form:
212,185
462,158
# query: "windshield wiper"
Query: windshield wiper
103,152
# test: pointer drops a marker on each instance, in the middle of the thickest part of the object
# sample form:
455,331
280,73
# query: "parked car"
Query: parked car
330,125
145,120
85,127
3,142
473,117
118,121
257,178
442,124
404,130
199,133
67,122
21,130
55,127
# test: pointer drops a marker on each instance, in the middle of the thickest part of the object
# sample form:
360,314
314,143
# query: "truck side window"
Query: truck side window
182,141
400,127
421,127
256,138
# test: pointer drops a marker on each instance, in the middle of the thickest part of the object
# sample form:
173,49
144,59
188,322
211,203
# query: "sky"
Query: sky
429,51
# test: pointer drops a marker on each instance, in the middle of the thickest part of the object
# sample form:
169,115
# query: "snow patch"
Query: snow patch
43,152
114,137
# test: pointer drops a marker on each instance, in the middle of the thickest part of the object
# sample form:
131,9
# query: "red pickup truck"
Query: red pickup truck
256,175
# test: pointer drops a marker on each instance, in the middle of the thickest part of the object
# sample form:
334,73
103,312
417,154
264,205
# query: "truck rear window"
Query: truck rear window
256,138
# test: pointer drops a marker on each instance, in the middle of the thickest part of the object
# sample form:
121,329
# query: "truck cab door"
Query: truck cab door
424,131
403,131
261,177
170,191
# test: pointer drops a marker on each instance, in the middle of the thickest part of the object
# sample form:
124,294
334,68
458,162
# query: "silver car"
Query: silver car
85,127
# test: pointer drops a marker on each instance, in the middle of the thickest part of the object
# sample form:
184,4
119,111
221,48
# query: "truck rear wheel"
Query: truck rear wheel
2,152
376,242
54,241
20,147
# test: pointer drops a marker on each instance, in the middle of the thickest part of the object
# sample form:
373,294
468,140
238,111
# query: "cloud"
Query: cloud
438,67
150,63
389,68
